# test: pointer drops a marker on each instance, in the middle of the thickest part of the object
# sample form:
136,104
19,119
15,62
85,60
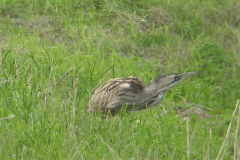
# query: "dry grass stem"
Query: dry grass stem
74,105
49,84
201,114
183,114
164,111
193,104
74,86
3,82
61,79
8,117
195,109
208,145
227,134
236,144
0,62
188,144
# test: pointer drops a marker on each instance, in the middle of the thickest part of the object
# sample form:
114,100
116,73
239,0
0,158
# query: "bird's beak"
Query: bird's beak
188,74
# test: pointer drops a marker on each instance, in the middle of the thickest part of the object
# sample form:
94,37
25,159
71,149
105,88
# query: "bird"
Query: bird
130,92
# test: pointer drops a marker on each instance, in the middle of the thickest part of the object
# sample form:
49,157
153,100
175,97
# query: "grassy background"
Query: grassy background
41,40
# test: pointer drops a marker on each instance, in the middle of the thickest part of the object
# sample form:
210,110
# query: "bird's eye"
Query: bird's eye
177,78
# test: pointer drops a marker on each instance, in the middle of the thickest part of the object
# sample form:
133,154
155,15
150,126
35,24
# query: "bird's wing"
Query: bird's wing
108,96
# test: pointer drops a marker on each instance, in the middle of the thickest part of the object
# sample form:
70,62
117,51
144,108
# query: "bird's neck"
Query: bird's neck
149,92
151,88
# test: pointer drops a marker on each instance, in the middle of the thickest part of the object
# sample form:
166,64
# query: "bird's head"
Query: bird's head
165,82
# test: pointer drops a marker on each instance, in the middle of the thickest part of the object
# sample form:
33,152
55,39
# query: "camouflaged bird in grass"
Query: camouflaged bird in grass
130,92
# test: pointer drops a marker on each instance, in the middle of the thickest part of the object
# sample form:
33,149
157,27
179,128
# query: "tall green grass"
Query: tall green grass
41,40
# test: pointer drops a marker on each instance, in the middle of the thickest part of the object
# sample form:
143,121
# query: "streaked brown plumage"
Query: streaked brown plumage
117,93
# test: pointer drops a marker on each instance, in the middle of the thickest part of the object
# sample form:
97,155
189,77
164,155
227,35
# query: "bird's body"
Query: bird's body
117,93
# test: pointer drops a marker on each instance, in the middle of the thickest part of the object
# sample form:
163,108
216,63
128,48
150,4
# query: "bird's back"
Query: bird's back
112,95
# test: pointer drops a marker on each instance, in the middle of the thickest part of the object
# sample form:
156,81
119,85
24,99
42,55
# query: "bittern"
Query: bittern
130,92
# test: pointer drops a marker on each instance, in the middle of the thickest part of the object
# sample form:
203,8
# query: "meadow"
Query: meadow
95,41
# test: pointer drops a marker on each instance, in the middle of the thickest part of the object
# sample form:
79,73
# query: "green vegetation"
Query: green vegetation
41,40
